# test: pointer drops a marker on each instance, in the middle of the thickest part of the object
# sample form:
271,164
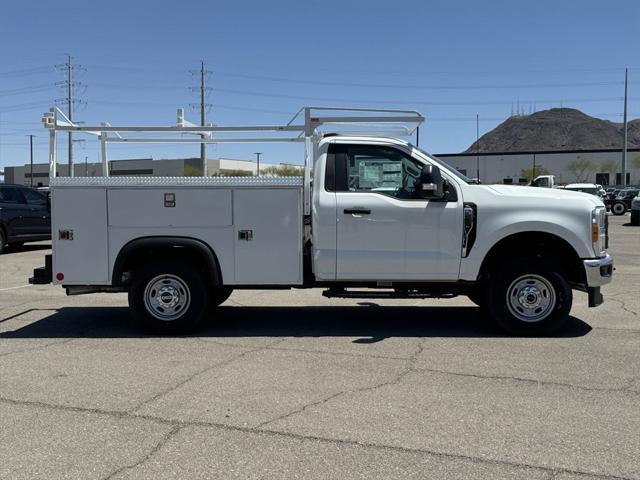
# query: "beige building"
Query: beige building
139,166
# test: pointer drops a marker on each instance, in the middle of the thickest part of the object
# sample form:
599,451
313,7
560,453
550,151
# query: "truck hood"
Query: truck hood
557,194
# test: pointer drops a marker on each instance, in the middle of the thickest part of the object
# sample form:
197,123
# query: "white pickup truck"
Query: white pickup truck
384,219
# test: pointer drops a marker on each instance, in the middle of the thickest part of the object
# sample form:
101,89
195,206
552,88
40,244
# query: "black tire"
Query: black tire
186,295
218,295
3,241
618,208
16,245
529,280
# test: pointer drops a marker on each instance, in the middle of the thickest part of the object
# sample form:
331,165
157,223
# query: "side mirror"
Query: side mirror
431,185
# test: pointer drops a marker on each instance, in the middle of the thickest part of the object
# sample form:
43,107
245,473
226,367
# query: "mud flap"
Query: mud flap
595,297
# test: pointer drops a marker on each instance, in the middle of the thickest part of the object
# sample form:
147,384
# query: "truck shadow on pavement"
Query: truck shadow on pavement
371,323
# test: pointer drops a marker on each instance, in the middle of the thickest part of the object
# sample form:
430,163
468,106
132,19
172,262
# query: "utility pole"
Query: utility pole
68,68
478,147
533,174
203,106
70,111
86,166
203,146
257,154
31,155
624,142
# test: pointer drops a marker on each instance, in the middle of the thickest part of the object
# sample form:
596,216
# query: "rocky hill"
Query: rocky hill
556,129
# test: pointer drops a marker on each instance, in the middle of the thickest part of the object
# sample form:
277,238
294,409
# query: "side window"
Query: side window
9,195
34,198
382,170
542,182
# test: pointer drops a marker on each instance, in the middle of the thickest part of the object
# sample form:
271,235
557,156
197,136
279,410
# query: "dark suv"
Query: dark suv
25,216
622,202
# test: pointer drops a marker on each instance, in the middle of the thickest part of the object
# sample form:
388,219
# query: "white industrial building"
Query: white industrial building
134,167
507,167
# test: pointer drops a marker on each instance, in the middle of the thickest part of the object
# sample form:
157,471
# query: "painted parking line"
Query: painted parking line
13,288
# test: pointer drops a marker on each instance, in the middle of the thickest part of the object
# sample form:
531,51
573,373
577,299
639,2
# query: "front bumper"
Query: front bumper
598,272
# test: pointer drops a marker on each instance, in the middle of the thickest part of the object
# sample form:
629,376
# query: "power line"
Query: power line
412,102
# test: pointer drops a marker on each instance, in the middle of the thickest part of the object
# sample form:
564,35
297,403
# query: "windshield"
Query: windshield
592,191
443,165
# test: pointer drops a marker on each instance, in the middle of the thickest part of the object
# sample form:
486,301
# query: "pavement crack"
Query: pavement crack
161,443
623,306
410,367
39,347
179,424
189,378
195,375
529,380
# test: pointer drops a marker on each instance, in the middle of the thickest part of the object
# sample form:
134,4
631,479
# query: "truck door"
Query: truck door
38,215
14,211
384,232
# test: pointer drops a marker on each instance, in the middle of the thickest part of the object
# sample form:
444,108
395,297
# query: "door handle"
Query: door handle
357,211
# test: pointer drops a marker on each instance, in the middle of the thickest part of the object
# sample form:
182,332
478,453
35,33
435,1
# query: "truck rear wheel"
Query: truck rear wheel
168,297
529,297
619,208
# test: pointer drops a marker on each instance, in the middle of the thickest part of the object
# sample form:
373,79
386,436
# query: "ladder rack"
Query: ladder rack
306,126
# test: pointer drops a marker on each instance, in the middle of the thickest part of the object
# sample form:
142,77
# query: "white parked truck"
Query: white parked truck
382,218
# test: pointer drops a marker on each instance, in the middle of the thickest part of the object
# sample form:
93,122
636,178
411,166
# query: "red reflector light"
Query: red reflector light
59,276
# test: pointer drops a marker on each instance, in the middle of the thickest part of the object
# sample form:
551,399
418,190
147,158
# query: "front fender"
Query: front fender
572,229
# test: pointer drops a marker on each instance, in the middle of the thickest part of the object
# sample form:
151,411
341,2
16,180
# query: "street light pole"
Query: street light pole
257,154
478,147
31,156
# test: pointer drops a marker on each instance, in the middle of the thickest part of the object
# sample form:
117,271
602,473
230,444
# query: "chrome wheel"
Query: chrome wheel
531,298
167,297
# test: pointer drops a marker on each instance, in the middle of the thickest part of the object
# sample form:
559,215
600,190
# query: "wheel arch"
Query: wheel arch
535,244
140,250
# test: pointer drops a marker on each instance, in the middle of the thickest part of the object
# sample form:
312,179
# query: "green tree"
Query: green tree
583,169
609,166
283,171
529,174
192,171
233,173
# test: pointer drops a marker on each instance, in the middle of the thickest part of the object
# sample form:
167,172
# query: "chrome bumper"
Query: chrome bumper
598,271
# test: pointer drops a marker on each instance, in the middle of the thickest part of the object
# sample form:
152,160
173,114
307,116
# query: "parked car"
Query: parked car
635,211
586,188
622,203
25,216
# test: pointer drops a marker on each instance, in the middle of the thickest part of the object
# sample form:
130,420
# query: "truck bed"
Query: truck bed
253,225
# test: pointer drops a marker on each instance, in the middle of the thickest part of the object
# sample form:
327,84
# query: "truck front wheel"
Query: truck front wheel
529,297
168,297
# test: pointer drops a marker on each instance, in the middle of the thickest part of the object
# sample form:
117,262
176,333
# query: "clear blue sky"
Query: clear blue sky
448,59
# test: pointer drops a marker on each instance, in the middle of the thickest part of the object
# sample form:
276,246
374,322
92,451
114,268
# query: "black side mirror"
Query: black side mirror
431,185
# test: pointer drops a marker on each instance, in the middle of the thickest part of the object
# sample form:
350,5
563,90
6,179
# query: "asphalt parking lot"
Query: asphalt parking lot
293,385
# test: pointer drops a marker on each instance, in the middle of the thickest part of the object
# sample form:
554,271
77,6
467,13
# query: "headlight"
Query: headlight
599,231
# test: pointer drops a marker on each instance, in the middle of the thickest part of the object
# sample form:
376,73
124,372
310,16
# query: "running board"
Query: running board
343,293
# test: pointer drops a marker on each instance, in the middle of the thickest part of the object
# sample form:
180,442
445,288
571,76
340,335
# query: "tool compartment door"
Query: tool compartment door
79,235
268,236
